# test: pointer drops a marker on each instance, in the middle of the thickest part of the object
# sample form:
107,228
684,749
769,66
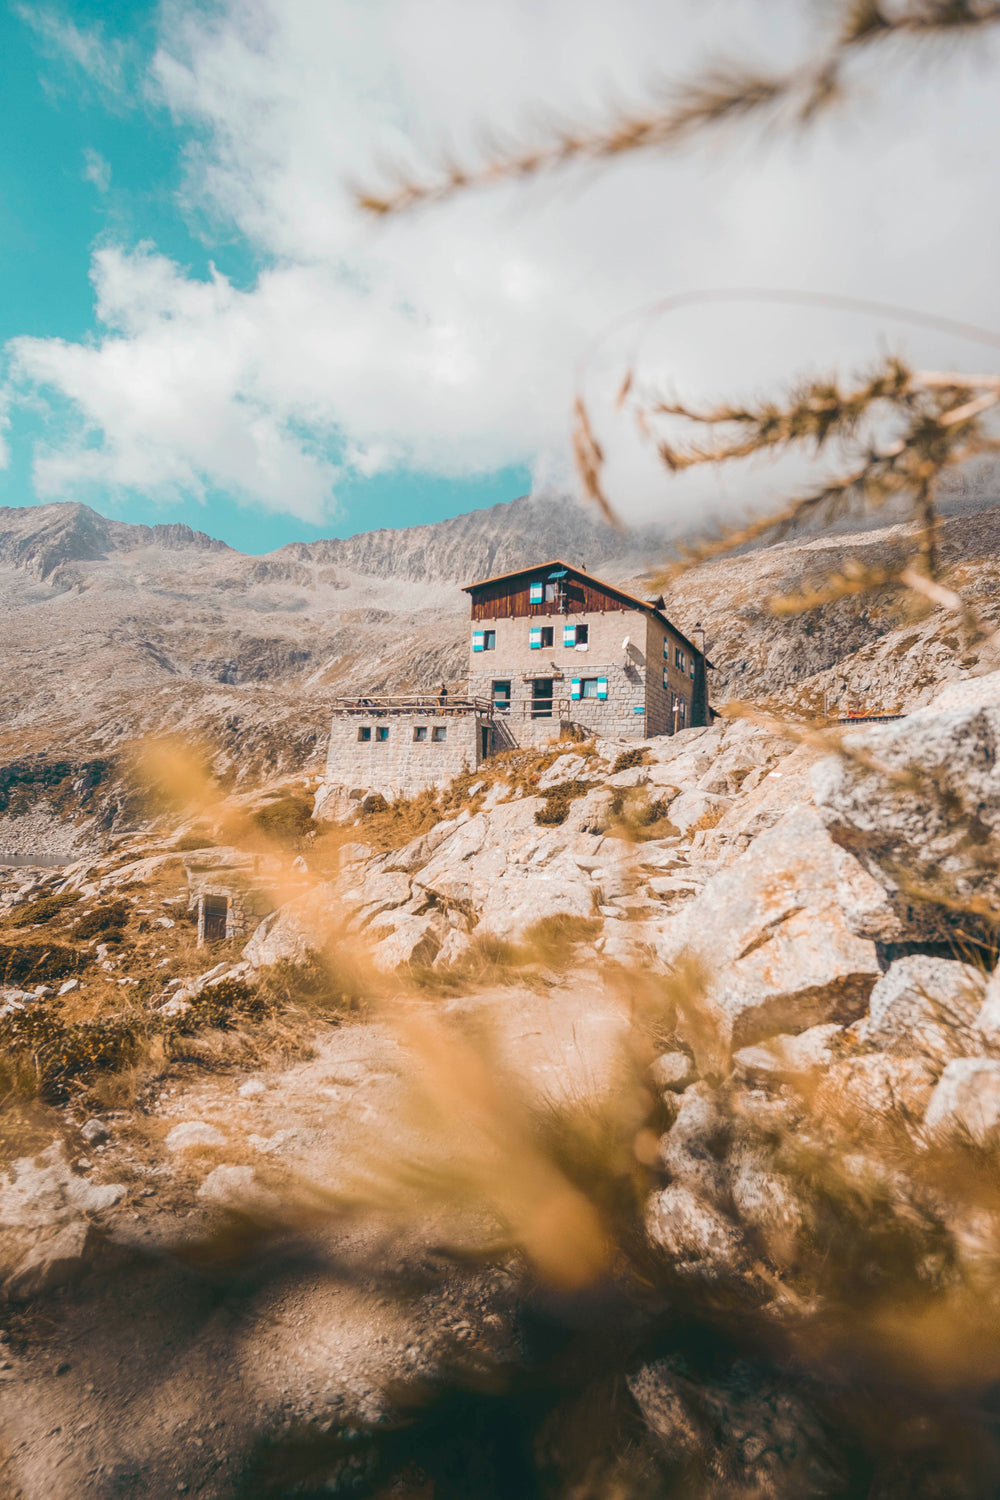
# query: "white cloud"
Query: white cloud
96,169
87,50
447,342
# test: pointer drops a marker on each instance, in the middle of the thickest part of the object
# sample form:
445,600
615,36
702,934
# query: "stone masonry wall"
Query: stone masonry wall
660,694
402,765
634,674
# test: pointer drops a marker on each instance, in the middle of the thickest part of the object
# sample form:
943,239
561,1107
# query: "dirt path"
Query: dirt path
153,1376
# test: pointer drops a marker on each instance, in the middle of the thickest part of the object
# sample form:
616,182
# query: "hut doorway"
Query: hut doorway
216,918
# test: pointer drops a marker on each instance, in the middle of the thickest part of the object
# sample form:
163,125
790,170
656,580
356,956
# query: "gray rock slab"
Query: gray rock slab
768,932
918,803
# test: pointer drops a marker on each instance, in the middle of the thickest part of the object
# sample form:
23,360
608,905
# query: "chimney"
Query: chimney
698,637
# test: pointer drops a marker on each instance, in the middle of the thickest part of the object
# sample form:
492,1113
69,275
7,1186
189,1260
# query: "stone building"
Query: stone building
552,648
228,888
398,746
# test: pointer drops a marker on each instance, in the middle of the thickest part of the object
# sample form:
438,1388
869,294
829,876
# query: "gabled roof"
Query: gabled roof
649,606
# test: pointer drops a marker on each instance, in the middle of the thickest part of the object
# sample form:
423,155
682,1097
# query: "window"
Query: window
501,694
547,635
365,733
382,733
679,658
550,593
489,640
666,648
666,677
575,635
439,733
539,636
536,593
420,732
691,668
582,635
541,698
589,687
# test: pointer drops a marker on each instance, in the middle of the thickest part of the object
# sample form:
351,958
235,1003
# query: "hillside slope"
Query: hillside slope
114,632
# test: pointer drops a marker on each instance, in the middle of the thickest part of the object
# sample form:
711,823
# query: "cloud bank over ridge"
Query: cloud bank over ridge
447,342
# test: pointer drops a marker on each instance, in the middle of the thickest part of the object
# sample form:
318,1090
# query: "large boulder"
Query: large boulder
918,803
508,872
925,1007
967,1100
405,940
57,1256
771,940
296,930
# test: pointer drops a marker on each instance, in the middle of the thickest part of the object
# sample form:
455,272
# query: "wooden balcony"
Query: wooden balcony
376,705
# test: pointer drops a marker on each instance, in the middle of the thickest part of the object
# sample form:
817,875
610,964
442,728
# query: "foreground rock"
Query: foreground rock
770,938
918,803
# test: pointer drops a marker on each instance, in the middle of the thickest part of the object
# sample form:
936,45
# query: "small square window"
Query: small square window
547,636
365,733
588,687
439,733
582,635
550,593
666,677
489,640
382,732
420,732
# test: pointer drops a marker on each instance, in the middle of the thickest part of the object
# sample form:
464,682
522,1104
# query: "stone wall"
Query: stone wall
404,762
236,877
668,683
638,702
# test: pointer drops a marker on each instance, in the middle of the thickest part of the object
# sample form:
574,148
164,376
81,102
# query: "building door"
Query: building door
484,742
216,913
541,698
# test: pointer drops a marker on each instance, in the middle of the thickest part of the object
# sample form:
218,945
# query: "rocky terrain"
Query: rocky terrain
657,1156
114,633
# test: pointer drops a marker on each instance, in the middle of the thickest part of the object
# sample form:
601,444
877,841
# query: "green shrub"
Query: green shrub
38,1046
551,940
220,1006
42,910
286,818
103,919
22,964
557,801
629,759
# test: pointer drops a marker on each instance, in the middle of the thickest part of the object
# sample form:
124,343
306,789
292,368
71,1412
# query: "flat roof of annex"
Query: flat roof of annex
544,571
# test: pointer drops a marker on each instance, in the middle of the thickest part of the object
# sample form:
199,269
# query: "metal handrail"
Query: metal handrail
423,703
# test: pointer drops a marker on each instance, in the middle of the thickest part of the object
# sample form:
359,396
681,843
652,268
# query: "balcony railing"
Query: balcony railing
373,704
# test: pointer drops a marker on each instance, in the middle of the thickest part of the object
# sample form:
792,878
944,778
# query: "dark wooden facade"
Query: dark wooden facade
508,598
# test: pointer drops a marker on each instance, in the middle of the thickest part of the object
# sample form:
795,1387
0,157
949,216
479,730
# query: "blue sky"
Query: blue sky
54,121
197,323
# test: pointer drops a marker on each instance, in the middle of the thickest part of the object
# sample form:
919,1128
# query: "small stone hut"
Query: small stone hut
228,887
